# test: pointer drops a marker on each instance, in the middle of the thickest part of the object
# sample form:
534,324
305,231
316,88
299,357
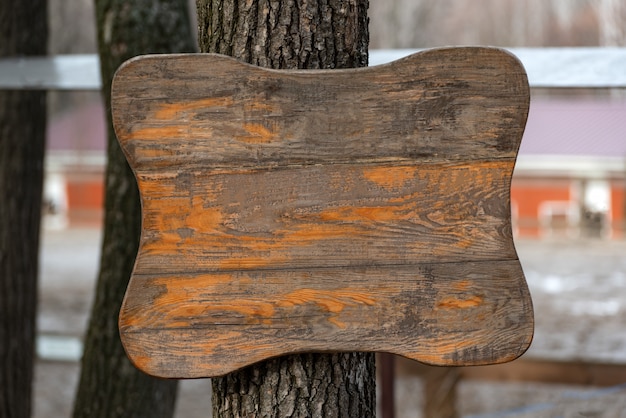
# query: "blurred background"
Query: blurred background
573,185
568,209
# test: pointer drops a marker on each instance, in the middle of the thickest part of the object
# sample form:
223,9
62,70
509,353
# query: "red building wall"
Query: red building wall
618,209
527,197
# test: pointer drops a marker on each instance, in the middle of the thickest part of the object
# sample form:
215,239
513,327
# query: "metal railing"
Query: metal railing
597,67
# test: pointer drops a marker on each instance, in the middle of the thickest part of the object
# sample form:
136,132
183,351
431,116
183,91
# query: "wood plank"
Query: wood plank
345,210
566,372
459,103
340,215
444,314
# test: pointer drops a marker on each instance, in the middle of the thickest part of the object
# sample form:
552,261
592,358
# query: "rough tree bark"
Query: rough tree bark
23,31
109,385
305,34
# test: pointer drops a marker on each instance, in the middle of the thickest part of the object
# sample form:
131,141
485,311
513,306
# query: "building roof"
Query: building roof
82,129
576,127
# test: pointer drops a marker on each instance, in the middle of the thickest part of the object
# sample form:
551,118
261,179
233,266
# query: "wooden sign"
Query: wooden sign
333,210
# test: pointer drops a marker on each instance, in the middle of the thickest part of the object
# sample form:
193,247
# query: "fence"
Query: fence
546,68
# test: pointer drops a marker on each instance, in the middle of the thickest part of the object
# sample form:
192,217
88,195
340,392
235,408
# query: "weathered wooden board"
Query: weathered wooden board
343,210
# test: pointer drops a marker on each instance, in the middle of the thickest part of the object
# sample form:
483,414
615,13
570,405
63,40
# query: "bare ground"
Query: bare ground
579,294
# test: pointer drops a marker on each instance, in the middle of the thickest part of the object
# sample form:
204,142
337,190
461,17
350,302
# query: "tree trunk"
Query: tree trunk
305,34
23,31
109,385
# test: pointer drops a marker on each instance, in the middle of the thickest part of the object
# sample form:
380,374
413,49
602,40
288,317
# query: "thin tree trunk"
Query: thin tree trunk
305,34
23,31
109,385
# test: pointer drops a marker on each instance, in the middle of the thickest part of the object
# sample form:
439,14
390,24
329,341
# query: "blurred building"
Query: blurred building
75,162
570,179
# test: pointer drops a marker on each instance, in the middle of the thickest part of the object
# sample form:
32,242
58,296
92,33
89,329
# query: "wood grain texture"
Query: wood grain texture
344,210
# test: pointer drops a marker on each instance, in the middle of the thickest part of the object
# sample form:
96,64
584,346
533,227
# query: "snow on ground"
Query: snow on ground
579,295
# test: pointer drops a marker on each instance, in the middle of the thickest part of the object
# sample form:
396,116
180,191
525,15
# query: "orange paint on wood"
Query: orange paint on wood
257,134
453,303
186,110
333,301
390,177
156,133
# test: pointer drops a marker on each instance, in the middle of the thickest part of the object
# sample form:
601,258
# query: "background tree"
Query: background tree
109,385
306,34
23,31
